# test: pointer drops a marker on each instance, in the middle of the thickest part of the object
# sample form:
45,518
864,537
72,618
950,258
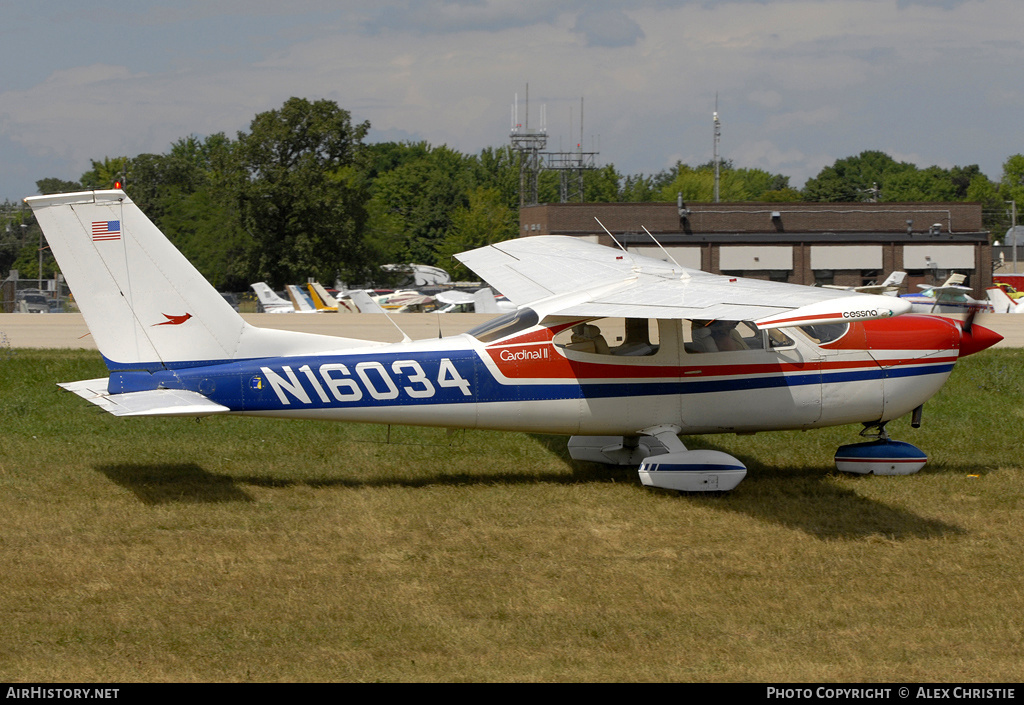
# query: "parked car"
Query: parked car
32,301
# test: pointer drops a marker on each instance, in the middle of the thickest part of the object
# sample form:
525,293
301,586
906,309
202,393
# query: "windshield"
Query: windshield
826,332
504,326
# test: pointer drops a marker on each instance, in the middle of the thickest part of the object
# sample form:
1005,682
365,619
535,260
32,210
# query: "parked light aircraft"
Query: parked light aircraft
484,301
950,297
890,286
621,352
480,301
270,301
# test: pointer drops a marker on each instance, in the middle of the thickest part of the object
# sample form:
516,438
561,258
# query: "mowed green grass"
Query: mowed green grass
267,550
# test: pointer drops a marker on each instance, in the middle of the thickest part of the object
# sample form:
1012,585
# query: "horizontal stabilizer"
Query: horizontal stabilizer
154,402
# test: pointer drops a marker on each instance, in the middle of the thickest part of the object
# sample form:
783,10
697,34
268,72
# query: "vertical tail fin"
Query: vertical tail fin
1001,303
364,303
146,306
300,299
483,301
271,302
321,298
140,297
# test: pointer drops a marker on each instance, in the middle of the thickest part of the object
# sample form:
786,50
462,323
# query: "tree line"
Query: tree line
302,194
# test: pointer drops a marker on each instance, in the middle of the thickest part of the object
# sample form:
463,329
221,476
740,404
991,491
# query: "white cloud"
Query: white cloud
801,82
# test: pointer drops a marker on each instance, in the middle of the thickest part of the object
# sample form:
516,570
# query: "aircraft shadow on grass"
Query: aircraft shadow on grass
166,483
803,499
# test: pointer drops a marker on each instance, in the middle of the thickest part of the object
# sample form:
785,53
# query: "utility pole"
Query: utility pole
1013,228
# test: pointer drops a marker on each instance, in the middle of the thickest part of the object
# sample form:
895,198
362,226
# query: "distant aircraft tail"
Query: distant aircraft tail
895,279
269,298
146,306
364,302
483,301
300,299
321,299
1001,303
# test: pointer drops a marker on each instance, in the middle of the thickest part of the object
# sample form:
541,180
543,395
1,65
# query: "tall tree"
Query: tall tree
104,174
414,203
302,198
52,185
860,178
485,220
1011,185
698,184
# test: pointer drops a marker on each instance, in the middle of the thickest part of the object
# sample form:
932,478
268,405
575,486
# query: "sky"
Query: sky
799,83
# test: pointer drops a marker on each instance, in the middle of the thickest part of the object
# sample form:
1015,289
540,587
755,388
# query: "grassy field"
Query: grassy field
262,550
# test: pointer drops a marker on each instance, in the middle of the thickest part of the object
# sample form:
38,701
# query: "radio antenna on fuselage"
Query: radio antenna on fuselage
405,336
611,236
671,258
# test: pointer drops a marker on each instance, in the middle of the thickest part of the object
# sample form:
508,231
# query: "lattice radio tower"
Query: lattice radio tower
571,165
528,144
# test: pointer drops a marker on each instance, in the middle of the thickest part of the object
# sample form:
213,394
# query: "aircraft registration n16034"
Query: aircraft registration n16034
621,352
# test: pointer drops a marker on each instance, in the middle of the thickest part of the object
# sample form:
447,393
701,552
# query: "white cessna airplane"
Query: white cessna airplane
950,297
621,352
890,286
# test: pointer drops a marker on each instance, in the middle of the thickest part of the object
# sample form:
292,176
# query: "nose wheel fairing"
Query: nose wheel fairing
880,457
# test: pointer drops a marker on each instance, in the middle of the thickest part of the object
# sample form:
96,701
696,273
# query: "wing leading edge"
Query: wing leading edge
563,275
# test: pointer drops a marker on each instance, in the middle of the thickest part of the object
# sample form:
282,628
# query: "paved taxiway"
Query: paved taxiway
68,330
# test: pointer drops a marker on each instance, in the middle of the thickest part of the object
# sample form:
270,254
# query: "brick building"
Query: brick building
846,244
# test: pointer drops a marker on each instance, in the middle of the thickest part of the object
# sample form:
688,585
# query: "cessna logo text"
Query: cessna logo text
335,382
870,313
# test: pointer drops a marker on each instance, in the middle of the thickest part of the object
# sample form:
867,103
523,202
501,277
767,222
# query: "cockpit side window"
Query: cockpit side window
777,339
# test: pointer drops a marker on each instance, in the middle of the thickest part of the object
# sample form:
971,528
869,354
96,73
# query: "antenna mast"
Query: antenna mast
718,136
571,164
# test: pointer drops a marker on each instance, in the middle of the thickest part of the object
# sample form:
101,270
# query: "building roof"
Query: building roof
793,221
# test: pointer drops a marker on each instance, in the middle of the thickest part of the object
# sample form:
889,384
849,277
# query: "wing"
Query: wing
949,293
554,274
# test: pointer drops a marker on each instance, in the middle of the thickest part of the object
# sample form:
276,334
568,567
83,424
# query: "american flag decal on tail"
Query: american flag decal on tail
106,230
